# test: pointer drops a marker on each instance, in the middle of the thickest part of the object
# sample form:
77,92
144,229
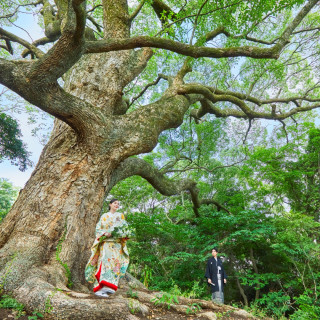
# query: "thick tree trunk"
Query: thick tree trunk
61,203
63,198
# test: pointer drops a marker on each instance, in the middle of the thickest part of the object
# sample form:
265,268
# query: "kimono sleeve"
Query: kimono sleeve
100,227
224,274
207,274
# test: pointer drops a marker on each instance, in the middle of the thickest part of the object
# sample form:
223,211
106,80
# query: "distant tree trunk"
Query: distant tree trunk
255,268
244,296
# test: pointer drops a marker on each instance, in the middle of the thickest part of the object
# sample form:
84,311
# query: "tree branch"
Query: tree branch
41,42
137,10
244,296
284,129
12,37
94,8
197,52
248,130
95,23
255,268
167,167
163,12
196,20
238,100
7,68
68,49
135,166
155,82
284,39
168,25
181,48
10,15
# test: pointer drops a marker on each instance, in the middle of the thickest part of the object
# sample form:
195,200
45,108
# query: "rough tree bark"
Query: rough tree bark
92,137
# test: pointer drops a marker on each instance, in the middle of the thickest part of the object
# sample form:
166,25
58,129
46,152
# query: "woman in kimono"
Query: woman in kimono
109,255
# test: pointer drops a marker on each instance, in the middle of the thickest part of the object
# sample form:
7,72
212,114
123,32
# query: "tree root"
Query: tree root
132,301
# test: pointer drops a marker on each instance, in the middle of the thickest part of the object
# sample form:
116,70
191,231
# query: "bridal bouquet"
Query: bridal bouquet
124,231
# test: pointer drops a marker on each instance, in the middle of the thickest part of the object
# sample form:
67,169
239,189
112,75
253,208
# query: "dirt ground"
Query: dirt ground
155,314
9,314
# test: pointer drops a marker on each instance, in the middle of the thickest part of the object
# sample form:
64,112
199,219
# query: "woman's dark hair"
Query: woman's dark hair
112,201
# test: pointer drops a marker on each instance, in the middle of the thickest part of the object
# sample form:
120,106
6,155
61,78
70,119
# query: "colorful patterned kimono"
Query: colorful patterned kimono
110,258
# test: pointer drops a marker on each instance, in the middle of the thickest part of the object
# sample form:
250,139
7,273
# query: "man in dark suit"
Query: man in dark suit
216,277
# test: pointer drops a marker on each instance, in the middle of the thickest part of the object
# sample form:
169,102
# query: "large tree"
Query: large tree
93,71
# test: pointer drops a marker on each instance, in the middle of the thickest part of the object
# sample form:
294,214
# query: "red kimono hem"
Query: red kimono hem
103,283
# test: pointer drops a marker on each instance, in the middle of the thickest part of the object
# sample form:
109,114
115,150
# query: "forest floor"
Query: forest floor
159,313
155,313
144,304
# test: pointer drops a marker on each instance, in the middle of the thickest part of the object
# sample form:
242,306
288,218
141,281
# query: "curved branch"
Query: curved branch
181,48
268,101
12,37
68,49
136,12
248,130
246,112
135,166
196,20
197,52
96,24
155,82
10,15
94,8
40,42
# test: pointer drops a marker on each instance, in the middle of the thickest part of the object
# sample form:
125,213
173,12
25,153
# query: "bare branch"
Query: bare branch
196,20
136,12
8,35
249,127
185,69
99,28
181,48
239,100
146,88
216,203
40,42
307,30
6,48
94,8
284,129
168,167
284,39
10,15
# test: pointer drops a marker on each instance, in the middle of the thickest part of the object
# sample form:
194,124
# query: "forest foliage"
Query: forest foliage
269,235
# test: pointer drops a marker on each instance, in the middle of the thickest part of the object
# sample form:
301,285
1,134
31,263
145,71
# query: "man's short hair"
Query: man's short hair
216,249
